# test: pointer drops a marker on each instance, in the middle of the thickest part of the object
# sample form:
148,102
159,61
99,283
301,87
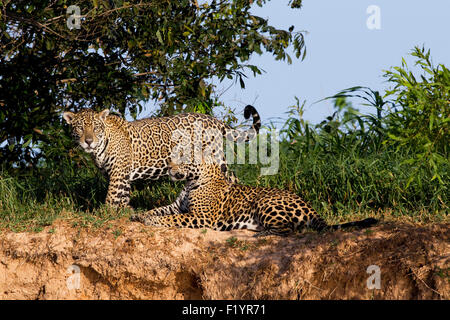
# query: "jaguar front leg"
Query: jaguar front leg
118,190
156,218
184,220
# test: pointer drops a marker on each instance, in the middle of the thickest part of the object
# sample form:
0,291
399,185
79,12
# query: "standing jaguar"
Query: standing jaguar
127,151
212,201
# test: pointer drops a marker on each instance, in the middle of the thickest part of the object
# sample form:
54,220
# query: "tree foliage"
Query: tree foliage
123,54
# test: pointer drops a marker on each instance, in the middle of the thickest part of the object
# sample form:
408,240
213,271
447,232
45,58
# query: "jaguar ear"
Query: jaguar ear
104,114
68,116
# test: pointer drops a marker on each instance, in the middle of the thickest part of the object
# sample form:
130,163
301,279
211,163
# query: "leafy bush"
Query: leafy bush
421,122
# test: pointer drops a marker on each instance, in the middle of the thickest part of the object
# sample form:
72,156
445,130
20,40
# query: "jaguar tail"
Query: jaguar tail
246,135
319,224
366,223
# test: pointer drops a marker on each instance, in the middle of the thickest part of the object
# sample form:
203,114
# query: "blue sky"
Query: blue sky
341,51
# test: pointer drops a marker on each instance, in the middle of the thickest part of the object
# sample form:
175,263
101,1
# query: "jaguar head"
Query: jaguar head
178,172
88,127
181,171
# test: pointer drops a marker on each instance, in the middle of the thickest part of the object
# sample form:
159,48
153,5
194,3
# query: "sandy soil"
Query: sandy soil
130,261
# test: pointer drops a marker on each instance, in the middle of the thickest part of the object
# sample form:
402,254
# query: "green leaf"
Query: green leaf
158,35
26,144
394,137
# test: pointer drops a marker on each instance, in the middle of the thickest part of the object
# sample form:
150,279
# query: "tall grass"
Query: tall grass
342,168
21,207
30,200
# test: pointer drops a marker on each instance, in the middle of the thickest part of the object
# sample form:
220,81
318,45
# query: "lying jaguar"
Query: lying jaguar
212,201
127,151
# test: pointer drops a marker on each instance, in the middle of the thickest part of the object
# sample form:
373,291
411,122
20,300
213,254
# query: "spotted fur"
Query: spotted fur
128,151
211,201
